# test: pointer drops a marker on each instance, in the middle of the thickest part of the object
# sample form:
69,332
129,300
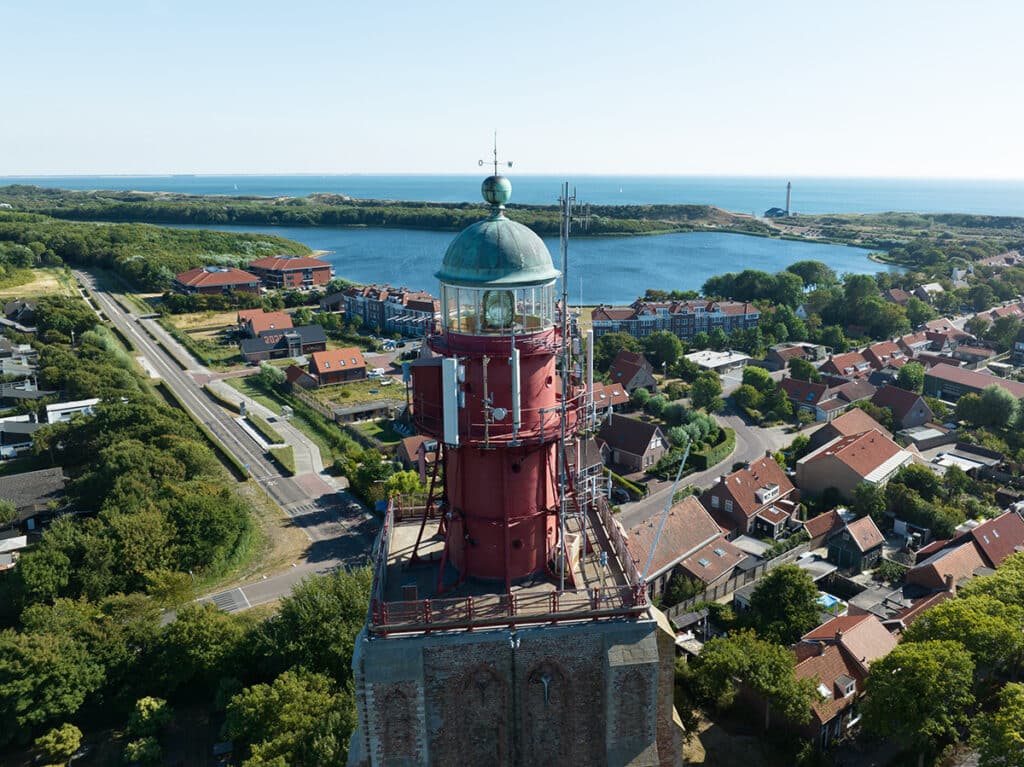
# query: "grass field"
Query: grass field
32,283
197,320
381,430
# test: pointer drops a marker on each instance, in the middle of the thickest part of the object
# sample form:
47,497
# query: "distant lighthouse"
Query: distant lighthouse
789,192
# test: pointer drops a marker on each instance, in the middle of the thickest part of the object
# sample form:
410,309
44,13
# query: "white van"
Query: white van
375,373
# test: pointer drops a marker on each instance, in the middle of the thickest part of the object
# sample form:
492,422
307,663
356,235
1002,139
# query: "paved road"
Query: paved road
751,443
340,530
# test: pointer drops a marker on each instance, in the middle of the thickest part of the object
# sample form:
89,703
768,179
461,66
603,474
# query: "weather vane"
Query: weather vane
495,160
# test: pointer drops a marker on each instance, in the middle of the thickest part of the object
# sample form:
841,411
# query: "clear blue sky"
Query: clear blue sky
813,87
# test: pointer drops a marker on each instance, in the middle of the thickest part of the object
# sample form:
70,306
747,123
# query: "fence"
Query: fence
728,587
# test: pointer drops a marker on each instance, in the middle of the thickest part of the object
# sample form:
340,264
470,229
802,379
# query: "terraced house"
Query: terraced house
683,318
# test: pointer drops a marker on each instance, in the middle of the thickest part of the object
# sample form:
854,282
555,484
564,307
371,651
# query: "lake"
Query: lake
614,270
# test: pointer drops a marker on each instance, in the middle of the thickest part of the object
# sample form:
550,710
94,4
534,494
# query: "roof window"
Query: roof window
720,552
703,562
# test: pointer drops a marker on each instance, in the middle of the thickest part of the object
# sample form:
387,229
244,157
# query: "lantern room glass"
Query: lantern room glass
498,310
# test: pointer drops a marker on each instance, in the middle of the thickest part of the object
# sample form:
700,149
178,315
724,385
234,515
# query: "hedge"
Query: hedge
285,456
630,487
222,400
707,457
270,434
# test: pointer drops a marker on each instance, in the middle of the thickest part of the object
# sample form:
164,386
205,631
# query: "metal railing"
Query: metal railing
498,609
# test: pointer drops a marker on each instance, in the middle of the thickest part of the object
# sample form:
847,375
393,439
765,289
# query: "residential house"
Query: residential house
252,322
979,548
691,543
885,354
757,499
779,355
913,343
951,383
908,408
16,437
846,462
857,547
609,396
291,272
849,365
896,296
1017,353
827,399
65,411
283,343
417,452
634,445
296,376
683,318
333,302
853,421
1008,310
822,527
338,366
632,371
20,312
837,657
33,494
216,280
928,291
973,355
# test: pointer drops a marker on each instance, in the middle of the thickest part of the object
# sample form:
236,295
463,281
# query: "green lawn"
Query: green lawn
358,392
247,387
380,430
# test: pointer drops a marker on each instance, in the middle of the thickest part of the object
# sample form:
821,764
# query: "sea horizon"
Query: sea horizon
751,195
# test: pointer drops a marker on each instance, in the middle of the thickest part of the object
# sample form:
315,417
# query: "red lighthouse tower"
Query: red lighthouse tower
493,397
509,623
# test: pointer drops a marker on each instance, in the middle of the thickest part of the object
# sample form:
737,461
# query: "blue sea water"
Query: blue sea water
742,195
601,269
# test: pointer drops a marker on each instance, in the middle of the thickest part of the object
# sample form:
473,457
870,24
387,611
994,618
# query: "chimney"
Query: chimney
821,648
768,453
839,636
722,478
950,584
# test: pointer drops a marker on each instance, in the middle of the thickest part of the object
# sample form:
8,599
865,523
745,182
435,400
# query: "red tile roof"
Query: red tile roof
609,394
960,562
713,561
862,453
899,401
823,524
854,421
336,359
865,534
849,365
1000,537
975,380
288,263
825,666
626,365
885,353
803,392
269,321
826,632
744,483
687,529
202,277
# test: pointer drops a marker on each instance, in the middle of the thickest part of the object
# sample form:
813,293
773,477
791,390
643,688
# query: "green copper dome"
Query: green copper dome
497,250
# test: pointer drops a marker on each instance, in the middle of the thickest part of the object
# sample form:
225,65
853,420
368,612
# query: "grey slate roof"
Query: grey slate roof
32,489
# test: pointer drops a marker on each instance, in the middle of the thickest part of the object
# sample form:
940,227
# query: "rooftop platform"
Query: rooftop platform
406,597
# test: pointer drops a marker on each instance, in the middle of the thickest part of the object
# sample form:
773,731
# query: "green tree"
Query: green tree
757,377
919,694
148,717
198,648
8,512
803,370
999,735
639,397
746,396
43,678
869,500
911,377
784,605
403,483
317,624
918,312
999,406
655,406
989,629
813,273
60,742
766,667
169,588
301,719
1006,584
663,348
706,392
144,751
609,345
